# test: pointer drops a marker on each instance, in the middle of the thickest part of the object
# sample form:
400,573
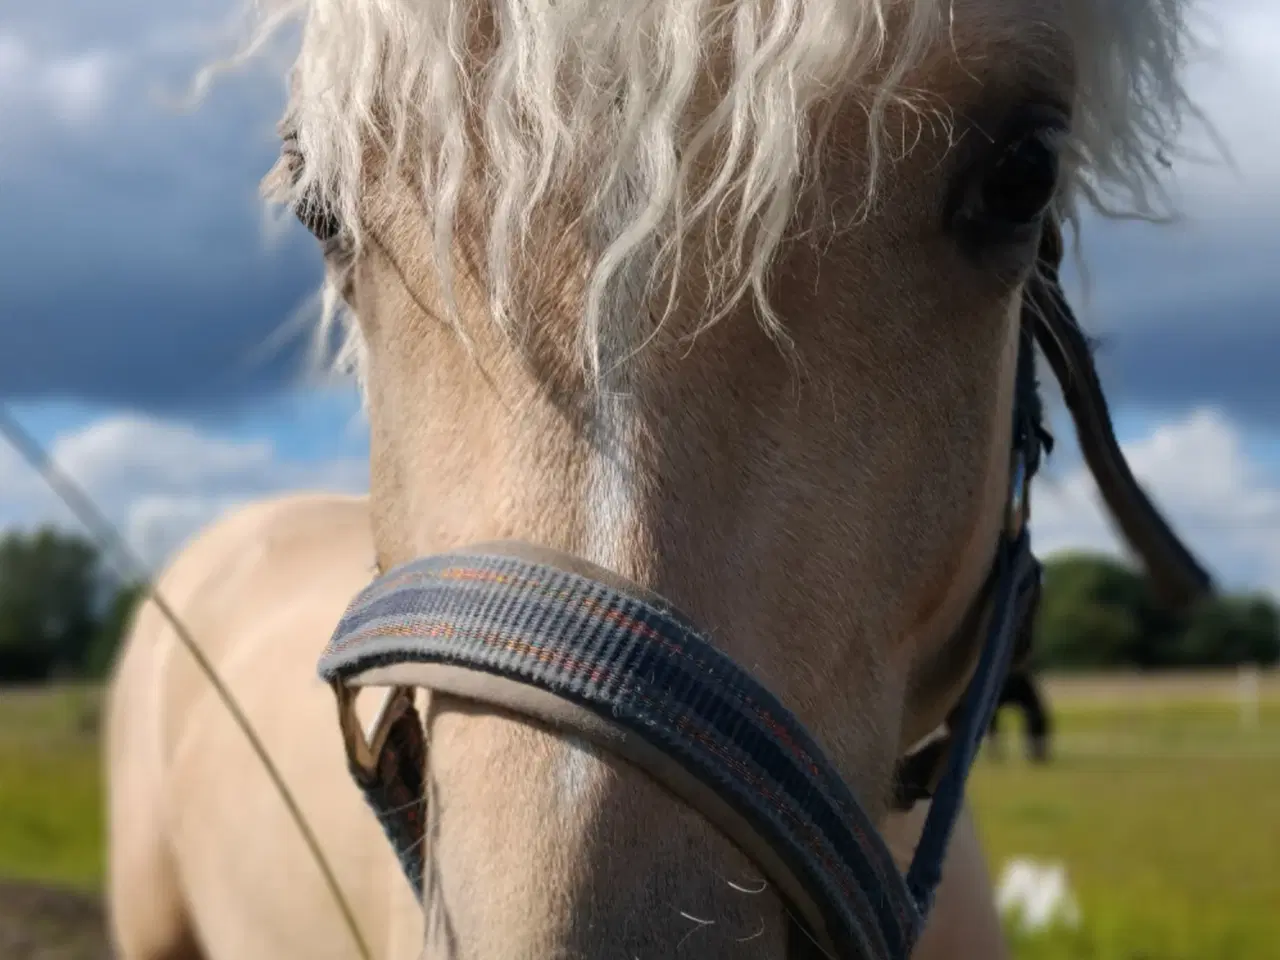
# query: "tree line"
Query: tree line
1097,613
63,616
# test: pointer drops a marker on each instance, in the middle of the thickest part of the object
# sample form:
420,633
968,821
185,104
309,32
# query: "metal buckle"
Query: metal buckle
365,750
1015,517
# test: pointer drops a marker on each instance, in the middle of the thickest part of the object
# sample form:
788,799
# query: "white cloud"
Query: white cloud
1197,470
160,482
1237,86
114,451
71,88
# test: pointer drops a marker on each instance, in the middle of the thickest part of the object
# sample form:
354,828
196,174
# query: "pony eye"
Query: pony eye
312,213
1022,181
1006,193
318,219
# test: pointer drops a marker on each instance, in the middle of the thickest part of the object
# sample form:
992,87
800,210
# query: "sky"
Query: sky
151,313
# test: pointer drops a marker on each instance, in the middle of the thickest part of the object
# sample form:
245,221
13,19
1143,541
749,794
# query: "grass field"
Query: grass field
1162,804
50,787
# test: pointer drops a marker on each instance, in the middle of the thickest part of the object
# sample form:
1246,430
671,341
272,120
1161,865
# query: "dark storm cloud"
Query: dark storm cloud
164,339
1221,350
139,270
1188,315
133,267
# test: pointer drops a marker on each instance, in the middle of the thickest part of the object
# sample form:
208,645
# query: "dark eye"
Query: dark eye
311,212
1010,186
318,219
1021,181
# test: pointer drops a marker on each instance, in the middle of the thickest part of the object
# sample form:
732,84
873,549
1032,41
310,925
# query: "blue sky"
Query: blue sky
149,312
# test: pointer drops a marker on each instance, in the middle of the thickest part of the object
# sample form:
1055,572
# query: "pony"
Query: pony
205,861
722,297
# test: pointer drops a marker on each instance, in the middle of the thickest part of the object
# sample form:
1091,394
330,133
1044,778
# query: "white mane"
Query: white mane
603,91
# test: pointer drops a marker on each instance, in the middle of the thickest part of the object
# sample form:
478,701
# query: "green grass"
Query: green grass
1165,814
50,787
1163,809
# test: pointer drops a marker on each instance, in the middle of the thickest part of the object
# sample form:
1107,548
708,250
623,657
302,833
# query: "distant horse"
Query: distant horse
720,313
1020,691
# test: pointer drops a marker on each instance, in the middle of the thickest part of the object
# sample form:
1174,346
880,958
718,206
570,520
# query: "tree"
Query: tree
1096,612
111,631
1223,631
1092,613
50,592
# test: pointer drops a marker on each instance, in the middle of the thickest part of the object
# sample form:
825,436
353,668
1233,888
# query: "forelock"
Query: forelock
526,99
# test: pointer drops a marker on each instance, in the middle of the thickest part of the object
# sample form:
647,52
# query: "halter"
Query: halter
555,639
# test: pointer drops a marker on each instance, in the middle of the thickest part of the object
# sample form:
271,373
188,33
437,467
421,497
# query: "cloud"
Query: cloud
141,275
1187,316
161,480
1188,310
1235,85
158,482
1223,503
69,88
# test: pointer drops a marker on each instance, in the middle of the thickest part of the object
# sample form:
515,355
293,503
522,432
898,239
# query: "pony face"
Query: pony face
722,297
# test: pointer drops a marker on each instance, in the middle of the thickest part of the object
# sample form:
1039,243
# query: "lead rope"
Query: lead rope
113,544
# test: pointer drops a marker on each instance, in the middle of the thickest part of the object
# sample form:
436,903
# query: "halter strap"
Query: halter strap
639,680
